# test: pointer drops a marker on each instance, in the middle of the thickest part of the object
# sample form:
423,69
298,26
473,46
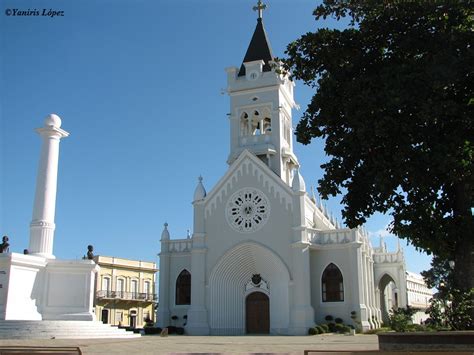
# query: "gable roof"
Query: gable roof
266,176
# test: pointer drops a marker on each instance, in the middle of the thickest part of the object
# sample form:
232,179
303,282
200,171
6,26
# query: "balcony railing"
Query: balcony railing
121,295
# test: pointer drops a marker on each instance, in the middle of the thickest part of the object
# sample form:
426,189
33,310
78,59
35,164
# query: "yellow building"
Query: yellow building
125,291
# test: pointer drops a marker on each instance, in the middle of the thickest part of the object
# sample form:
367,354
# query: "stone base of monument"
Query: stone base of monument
36,288
22,329
428,341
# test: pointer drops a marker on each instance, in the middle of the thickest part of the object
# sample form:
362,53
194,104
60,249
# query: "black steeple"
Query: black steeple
259,47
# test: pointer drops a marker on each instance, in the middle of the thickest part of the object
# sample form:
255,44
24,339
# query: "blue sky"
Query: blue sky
138,84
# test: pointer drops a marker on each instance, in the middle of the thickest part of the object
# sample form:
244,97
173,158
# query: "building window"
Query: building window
120,288
332,284
146,288
106,286
183,288
134,289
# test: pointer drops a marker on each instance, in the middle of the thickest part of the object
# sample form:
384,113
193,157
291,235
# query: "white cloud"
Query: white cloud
383,232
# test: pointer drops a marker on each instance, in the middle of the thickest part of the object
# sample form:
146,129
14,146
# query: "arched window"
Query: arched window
332,284
255,126
183,288
267,125
244,124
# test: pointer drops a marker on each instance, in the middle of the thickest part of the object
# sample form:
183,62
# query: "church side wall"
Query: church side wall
178,262
342,258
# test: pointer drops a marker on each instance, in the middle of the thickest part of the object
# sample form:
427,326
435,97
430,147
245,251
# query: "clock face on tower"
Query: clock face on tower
247,210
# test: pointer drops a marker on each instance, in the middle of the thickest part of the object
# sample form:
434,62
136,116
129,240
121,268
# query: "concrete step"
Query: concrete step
16,329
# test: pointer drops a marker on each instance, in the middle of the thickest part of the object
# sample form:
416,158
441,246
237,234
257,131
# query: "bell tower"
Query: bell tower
261,100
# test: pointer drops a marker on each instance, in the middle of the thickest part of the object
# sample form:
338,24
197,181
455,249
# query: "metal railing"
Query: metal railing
122,295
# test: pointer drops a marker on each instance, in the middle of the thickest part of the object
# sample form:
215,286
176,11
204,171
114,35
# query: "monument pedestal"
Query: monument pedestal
20,286
36,288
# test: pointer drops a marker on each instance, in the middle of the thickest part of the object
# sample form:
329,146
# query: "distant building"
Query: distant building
125,291
418,296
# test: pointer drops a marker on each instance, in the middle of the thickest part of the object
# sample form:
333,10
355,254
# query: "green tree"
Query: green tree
440,276
392,102
449,306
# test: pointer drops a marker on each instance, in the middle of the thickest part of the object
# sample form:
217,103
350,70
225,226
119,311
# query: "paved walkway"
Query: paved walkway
210,344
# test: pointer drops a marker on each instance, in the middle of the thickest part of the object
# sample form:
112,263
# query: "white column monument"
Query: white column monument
42,225
36,285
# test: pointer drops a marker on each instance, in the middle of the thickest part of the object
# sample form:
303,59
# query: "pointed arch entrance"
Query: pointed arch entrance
388,296
228,291
257,313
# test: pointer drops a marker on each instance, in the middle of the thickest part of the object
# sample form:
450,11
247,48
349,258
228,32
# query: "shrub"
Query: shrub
378,330
346,329
358,324
171,329
338,320
179,330
325,328
152,330
400,318
149,324
320,329
312,331
329,318
332,327
417,328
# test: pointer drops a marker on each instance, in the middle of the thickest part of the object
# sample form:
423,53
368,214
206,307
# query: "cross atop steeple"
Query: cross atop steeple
260,7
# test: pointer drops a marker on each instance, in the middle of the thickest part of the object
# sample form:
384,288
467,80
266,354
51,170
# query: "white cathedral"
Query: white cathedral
264,256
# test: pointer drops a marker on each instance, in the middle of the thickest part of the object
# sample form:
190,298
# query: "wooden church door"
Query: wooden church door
257,311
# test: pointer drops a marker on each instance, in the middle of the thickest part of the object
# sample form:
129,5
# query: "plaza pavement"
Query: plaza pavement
209,344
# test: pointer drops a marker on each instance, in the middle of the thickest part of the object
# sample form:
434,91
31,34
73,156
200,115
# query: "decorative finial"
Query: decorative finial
52,120
260,7
313,197
165,235
188,234
298,181
200,191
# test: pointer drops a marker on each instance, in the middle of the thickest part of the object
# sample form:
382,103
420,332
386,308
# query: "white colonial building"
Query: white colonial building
418,296
264,255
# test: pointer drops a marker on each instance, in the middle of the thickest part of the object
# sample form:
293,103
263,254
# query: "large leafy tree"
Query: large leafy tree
392,101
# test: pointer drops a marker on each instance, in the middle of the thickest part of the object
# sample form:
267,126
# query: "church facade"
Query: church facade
265,256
